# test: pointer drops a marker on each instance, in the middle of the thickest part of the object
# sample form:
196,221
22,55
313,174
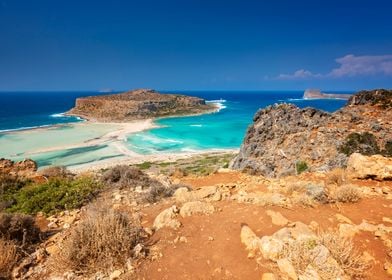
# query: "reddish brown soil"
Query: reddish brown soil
214,251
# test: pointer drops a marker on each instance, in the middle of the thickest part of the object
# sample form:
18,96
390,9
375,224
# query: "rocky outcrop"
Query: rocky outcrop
283,136
374,167
24,168
137,104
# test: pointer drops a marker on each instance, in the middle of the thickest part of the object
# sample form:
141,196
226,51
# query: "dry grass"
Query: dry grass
304,252
336,176
8,258
19,228
343,251
103,241
157,192
347,193
303,200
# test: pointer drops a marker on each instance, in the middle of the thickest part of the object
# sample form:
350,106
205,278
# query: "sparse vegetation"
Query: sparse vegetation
347,193
304,252
145,165
104,240
9,185
363,143
157,191
301,166
8,258
388,149
336,176
343,251
55,195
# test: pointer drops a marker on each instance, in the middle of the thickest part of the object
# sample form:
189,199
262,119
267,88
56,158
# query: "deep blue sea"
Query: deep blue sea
221,130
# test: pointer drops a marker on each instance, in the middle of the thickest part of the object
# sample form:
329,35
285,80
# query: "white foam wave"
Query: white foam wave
25,128
216,101
157,140
196,125
57,115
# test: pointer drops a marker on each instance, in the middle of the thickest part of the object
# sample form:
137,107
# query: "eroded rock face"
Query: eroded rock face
375,167
283,135
137,104
24,168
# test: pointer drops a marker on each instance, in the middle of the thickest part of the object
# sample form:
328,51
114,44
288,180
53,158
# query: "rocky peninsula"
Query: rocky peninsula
136,105
285,139
317,94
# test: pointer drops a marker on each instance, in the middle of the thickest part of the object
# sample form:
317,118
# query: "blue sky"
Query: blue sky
195,45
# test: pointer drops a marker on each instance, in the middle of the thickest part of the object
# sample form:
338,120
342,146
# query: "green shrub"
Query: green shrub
9,185
301,166
144,166
364,143
55,195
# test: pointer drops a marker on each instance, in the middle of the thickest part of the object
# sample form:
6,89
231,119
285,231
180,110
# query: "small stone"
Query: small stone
183,239
387,220
53,225
196,207
66,225
167,218
210,238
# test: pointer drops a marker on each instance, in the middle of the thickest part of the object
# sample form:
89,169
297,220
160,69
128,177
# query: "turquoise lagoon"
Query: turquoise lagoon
64,144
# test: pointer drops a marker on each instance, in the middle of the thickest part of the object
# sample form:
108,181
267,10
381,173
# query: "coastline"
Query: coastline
140,158
114,137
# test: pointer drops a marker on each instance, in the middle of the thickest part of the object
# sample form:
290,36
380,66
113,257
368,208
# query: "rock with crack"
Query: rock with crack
196,207
287,268
183,195
167,218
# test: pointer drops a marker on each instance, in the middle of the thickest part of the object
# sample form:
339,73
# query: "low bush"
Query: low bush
343,251
104,240
125,176
19,228
55,195
363,143
157,191
8,258
388,149
347,193
301,166
306,251
56,171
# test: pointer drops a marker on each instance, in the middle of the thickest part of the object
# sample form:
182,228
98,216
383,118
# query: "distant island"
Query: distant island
137,104
317,94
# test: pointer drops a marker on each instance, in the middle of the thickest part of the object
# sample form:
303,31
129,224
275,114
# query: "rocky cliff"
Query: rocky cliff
137,104
285,139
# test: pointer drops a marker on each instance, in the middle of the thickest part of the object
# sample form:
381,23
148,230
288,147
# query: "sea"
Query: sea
21,112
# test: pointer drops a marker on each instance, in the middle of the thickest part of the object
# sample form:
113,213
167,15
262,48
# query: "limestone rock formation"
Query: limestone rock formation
374,167
283,135
137,104
24,168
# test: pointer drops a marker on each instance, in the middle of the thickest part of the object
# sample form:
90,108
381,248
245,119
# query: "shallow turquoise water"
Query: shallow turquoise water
221,130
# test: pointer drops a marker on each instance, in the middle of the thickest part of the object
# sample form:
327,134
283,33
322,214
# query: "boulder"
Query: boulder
196,207
271,247
167,218
369,167
250,240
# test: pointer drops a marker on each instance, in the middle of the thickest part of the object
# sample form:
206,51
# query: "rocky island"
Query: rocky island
136,105
284,137
317,94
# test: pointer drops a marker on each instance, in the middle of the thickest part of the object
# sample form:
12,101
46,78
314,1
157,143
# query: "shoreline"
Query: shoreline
140,158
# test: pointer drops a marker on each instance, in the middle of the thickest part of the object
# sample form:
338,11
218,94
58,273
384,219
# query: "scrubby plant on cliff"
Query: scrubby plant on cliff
103,241
388,149
301,166
55,195
19,228
9,185
363,143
